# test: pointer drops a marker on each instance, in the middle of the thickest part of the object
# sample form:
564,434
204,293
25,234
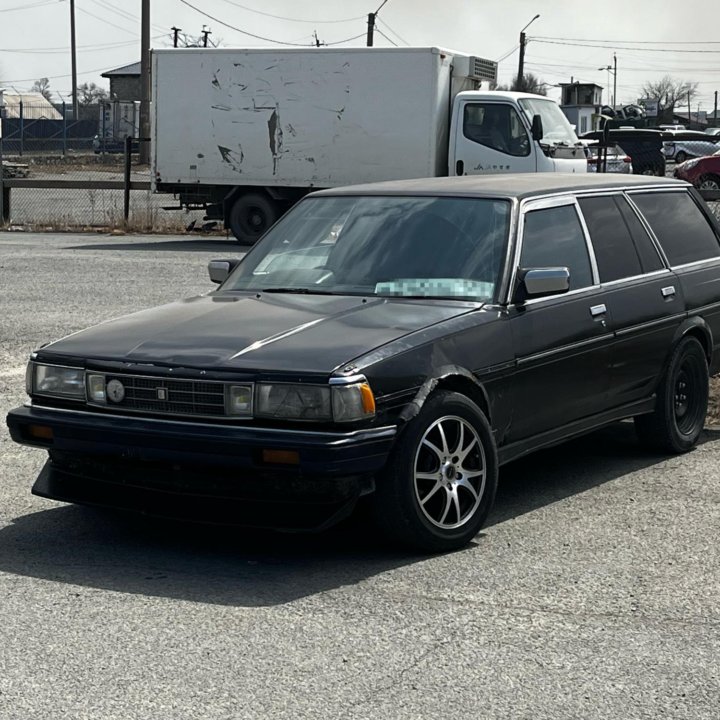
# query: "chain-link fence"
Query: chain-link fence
84,189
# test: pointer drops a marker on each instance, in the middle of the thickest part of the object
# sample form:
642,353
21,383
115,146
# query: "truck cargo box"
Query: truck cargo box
302,117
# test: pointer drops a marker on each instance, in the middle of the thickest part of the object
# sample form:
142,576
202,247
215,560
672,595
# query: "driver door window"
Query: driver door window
496,126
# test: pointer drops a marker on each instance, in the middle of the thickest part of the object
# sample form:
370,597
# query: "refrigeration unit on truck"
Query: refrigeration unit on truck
245,133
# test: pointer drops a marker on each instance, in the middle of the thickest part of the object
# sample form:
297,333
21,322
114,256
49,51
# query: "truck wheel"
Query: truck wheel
439,485
250,216
680,157
682,398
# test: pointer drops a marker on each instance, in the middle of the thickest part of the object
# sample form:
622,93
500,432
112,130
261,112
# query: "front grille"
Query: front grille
170,397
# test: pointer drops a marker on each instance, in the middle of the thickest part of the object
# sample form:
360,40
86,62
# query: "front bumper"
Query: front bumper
204,472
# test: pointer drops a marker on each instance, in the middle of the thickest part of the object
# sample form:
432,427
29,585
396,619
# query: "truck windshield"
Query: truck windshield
383,246
556,128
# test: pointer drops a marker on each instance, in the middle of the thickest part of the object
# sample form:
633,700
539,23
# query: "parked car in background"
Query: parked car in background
399,341
713,131
644,147
702,172
617,160
682,145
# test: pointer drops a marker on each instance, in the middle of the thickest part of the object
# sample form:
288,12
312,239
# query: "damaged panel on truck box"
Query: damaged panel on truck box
299,118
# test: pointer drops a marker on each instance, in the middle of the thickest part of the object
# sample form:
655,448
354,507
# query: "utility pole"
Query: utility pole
715,117
144,147
521,60
371,29
176,32
205,34
73,60
615,100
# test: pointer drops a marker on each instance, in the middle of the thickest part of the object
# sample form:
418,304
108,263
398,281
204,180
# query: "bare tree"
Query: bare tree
90,93
42,86
530,84
669,93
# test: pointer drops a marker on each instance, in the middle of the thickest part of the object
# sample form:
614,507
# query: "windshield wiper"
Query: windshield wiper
296,291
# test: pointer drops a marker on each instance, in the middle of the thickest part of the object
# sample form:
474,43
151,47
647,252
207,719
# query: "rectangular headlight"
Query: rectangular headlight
352,402
238,400
293,402
56,381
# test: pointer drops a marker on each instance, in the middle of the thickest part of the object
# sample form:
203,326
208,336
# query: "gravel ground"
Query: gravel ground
592,593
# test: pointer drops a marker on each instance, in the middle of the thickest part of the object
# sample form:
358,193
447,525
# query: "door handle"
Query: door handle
668,292
597,310
459,167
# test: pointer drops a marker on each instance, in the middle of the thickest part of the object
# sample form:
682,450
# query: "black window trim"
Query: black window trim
646,223
619,192
544,203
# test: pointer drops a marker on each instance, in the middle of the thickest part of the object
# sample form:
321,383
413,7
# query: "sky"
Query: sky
570,39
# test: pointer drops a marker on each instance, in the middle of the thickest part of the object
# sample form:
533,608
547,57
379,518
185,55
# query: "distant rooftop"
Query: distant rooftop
131,69
34,106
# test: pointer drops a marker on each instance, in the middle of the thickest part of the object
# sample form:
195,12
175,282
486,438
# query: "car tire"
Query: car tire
250,216
681,405
680,157
709,182
440,481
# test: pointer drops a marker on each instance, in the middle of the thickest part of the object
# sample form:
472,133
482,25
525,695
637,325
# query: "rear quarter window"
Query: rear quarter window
680,226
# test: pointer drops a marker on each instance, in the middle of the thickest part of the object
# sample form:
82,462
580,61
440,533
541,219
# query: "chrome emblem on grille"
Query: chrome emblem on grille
162,393
115,391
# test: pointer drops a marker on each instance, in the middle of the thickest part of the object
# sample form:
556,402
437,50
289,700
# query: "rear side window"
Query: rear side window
553,237
647,252
614,248
683,231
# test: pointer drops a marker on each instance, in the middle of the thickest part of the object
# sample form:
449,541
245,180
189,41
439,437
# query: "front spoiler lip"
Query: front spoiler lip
343,463
237,431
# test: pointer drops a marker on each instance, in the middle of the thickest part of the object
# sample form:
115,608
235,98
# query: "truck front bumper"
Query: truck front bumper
213,473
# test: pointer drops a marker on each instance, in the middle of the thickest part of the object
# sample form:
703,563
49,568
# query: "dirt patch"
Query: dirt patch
713,414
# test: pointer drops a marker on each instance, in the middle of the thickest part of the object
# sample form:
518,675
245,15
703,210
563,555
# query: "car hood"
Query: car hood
268,332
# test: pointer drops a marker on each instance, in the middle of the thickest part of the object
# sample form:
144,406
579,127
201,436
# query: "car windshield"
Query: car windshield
556,127
384,246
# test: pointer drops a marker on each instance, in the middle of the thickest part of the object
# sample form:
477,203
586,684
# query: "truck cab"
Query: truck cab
511,132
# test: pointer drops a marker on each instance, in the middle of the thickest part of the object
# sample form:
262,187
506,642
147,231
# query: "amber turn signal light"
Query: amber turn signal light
281,457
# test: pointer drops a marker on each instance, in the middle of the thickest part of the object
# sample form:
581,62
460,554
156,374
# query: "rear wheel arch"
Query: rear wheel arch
695,327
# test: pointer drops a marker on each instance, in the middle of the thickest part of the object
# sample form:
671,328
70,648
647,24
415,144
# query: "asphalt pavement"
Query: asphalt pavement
593,593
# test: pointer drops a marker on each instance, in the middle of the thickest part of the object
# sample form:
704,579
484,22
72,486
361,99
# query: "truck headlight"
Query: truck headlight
57,381
293,402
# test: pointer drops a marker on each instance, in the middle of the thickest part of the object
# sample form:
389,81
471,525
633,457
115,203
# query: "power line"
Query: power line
243,32
397,35
615,47
281,17
29,7
633,42
340,42
260,37
102,19
507,55
380,32
57,77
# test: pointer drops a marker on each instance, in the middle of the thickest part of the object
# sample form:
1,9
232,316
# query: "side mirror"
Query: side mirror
220,269
537,128
541,282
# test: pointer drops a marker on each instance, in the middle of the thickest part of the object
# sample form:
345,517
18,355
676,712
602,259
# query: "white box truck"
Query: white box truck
245,133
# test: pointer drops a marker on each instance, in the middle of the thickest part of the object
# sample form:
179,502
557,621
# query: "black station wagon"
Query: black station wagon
399,341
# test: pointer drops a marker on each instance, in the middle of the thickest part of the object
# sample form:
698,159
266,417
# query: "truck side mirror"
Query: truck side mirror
537,128
220,269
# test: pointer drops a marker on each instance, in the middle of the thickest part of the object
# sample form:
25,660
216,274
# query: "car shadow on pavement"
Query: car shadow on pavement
192,244
86,547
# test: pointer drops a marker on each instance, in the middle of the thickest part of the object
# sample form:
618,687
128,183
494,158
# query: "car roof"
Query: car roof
506,185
